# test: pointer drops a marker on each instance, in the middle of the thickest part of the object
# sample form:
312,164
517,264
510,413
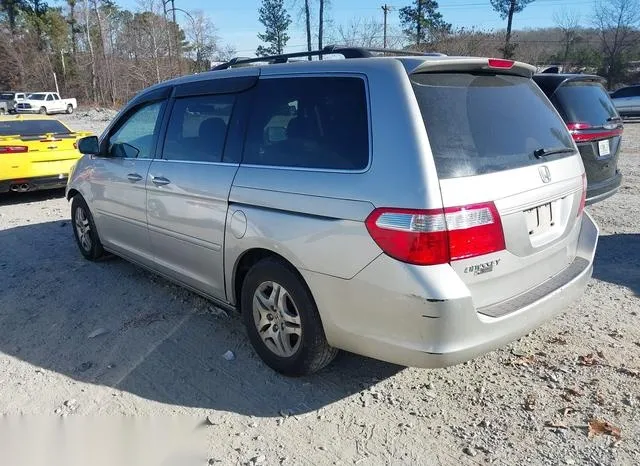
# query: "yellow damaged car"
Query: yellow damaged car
36,152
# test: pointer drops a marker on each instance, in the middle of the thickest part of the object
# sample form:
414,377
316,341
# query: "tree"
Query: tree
12,8
273,15
506,9
422,22
569,24
322,4
617,22
10,71
202,40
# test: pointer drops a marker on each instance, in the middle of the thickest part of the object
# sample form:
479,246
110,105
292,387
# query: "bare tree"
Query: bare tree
617,22
569,24
366,32
203,40
87,29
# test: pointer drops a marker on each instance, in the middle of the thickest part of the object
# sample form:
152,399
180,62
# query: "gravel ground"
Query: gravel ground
81,338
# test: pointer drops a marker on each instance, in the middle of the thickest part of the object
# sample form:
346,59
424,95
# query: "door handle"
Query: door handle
133,177
159,180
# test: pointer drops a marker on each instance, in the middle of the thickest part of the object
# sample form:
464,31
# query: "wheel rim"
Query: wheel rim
277,319
83,229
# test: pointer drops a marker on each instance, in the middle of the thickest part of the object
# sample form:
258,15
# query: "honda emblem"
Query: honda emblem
545,174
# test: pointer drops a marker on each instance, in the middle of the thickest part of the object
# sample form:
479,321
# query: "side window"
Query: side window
197,128
49,97
134,138
309,122
56,97
624,92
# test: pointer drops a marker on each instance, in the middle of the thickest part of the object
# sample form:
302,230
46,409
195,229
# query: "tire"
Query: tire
305,349
1,111
84,230
43,111
69,109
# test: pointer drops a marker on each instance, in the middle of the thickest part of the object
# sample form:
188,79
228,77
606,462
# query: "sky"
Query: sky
237,20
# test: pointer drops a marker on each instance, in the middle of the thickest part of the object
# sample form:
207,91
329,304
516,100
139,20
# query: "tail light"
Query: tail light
501,63
583,198
13,149
575,129
439,236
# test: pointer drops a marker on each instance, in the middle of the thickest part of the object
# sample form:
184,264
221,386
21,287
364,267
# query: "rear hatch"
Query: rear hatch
510,178
594,124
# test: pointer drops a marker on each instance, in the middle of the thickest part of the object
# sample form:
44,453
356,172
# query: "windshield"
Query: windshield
32,127
485,123
584,102
6,96
36,96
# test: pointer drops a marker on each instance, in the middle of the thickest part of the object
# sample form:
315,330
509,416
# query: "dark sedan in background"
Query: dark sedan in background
594,123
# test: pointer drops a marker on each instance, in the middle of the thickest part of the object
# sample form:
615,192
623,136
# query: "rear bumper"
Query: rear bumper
34,184
389,311
597,192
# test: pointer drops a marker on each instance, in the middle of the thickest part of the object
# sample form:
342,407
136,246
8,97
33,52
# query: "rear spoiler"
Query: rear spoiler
496,65
48,136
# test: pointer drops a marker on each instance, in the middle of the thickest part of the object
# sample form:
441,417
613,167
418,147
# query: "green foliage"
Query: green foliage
273,15
422,22
506,7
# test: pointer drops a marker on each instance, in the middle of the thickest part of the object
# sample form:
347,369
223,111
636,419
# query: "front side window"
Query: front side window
134,138
198,128
309,122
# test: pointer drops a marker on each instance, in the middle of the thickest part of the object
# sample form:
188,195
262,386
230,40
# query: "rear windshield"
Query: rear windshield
584,102
36,96
32,127
485,123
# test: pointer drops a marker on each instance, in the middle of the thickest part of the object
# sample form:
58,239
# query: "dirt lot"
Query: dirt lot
78,338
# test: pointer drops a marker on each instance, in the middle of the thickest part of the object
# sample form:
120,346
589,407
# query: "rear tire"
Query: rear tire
1,111
69,109
282,320
43,111
84,230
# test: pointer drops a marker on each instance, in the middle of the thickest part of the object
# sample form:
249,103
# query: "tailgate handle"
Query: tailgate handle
133,177
160,180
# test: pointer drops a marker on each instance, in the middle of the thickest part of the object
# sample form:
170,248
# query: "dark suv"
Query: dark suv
594,124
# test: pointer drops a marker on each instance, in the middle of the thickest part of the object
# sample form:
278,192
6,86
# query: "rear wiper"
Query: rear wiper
542,152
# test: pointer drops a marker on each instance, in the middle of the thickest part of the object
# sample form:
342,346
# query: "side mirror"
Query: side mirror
89,145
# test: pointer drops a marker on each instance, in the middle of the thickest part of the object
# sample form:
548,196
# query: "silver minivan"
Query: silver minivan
421,210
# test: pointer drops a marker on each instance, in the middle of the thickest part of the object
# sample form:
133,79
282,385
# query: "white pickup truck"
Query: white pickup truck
46,103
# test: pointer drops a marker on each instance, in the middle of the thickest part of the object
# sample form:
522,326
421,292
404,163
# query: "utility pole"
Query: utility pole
385,9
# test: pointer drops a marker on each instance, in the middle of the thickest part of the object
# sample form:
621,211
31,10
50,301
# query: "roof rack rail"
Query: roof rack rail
345,51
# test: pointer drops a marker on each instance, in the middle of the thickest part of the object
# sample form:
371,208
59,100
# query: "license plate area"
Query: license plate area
540,219
604,148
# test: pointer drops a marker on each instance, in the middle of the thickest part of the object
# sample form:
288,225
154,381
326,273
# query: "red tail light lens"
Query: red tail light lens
474,230
583,198
501,63
429,237
13,149
575,128
578,126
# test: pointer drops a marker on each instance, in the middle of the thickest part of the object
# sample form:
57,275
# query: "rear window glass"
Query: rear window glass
36,96
584,102
484,123
32,127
